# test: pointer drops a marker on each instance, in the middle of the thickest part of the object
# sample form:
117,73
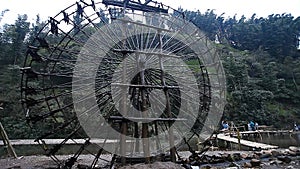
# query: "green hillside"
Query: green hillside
260,56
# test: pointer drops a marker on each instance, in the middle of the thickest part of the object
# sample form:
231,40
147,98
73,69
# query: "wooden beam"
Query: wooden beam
141,119
6,142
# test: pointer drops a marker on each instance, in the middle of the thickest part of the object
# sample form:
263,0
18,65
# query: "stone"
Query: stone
207,167
217,156
234,157
291,153
255,162
15,167
83,166
247,165
275,153
258,153
233,164
265,156
187,166
273,162
276,162
156,165
284,159
244,155
251,156
294,149
225,155
267,153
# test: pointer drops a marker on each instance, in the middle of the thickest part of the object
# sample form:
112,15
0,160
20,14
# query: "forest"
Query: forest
261,58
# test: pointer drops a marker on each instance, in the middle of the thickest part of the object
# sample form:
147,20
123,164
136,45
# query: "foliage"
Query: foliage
260,58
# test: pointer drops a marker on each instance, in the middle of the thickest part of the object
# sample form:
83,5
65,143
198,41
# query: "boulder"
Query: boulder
252,156
265,156
267,152
284,159
291,153
294,149
14,167
233,164
156,165
276,162
258,153
187,166
255,162
204,167
217,156
247,165
234,157
225,155
244,155
82,166
275,153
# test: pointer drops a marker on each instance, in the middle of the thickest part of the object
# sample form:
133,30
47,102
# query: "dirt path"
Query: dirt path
44,162
27,162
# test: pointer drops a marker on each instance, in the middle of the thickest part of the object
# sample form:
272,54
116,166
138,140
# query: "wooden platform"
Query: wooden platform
246,143
268,132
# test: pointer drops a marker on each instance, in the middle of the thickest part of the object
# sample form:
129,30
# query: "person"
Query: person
296,128
249,127
225,125
252,125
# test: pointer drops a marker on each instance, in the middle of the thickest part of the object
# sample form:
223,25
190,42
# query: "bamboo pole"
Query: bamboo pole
6,142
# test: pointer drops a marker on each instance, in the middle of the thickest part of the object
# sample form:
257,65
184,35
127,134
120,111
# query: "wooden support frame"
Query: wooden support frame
10,149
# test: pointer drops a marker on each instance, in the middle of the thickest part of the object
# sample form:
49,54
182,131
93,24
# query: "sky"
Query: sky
263,8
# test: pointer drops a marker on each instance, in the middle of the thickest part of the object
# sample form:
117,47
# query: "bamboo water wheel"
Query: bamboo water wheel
132,79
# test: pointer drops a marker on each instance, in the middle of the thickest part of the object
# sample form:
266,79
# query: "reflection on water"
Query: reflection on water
282,140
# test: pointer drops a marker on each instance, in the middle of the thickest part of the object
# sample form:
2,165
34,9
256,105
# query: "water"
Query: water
283,140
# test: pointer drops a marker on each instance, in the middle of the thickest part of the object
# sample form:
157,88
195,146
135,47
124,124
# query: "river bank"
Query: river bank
266,159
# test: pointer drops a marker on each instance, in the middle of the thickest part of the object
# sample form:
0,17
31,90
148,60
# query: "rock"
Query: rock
197,167
244,155
208,167
187,166
265,156
234,157
258,153
156,165
252,155
204,167
15,167
284,159
212,148
255,162
82,166
276,162
247,165
275,153
233,164
291,153
273,162
294,149
217,156
225,155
